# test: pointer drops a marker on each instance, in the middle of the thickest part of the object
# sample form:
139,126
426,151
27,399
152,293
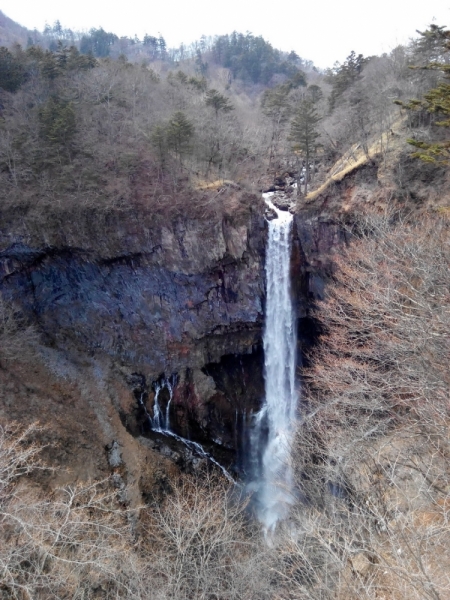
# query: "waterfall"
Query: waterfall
274,425
161,424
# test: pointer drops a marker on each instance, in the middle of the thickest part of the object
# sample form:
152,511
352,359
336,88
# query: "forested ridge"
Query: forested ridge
97,130
230,107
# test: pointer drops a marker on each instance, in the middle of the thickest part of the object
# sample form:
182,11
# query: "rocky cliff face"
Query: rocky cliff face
396,183
161,309
181,299
128,299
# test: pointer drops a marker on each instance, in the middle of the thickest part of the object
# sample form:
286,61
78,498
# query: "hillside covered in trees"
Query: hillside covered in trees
228,108
126,163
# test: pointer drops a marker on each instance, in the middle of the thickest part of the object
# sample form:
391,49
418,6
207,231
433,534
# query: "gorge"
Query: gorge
183,302
224,320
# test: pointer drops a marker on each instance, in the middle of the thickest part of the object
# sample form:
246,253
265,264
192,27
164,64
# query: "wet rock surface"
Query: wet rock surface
281,201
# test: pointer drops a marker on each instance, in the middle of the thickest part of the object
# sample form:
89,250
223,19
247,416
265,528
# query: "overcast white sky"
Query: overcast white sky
322,31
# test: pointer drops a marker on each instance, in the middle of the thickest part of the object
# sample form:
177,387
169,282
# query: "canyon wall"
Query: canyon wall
133,301
122,299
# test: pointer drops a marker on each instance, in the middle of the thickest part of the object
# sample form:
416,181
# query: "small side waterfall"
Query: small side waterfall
274,425
161,424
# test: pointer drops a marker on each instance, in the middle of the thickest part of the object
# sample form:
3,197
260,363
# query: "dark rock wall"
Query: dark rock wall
183,299
192,294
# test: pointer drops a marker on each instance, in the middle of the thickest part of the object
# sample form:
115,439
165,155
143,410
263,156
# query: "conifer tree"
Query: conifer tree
98,42
12,73
277,105
437,100
179,134
304,136
218,102
57,125
159,142
343,76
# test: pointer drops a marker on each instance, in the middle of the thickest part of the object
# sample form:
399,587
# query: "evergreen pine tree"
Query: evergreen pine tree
179,134
304,136
437,100
12,72
218,102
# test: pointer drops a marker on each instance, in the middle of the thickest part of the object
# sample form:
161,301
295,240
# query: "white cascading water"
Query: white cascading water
161,424
275,488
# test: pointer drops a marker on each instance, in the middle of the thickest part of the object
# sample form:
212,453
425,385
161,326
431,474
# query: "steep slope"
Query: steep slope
11,32
387,182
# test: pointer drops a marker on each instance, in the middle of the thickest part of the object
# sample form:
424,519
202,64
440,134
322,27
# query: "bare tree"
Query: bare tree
373,451
76,541
17,338
204,547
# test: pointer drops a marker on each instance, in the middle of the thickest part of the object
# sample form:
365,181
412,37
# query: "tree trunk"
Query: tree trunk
307,173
